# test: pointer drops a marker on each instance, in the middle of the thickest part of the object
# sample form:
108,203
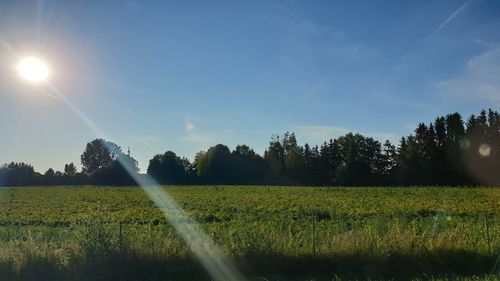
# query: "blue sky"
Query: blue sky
185,75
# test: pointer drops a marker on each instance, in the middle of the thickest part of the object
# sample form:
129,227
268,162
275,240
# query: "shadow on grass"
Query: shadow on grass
272,267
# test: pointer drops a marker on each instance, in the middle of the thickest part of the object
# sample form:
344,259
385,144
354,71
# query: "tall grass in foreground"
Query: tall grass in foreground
270,233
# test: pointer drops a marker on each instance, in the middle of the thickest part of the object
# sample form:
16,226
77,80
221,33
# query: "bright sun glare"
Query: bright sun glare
33,69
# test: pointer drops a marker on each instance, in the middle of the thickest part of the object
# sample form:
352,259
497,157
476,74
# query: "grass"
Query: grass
271,233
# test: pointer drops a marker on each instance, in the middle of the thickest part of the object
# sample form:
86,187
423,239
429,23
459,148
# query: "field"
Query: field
270,233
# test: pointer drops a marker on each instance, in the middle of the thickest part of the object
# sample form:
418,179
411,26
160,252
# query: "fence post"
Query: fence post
121,236
487,230
284,230
314,236
495,266
120,241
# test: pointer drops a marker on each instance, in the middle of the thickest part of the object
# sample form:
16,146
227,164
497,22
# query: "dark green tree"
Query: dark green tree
99,154
248,166
18,174
330,158
275,156
214,166
358,163
168,168
105,163
70,169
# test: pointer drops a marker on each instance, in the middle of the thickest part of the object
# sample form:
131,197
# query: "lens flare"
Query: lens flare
33,69
193,235
484,150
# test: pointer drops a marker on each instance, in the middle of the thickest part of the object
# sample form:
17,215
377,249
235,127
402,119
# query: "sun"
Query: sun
33,69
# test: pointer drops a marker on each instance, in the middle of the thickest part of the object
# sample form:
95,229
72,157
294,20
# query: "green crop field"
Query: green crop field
270,233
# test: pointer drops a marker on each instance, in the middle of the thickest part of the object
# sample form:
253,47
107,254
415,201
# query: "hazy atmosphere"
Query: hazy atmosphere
250,140
184,76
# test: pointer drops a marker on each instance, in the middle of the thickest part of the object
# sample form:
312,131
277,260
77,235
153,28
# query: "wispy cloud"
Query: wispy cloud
147,141
484,43
198,138
194,136
479,80
390,97
319,134
309,38
448,20
348,50
189,126
132,6
387,92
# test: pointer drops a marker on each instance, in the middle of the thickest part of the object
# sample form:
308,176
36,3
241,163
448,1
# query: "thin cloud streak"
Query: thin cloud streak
197,138
9,48
319,134
146,141
401,101
448,20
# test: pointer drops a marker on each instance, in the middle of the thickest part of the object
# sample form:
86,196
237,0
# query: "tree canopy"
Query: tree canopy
446,151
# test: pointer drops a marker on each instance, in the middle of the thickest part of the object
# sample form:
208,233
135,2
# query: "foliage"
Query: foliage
70,169
17,174
98,154
281,232
221,166
444,152
168,168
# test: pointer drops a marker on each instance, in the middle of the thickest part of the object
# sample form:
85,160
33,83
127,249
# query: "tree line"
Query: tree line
447,151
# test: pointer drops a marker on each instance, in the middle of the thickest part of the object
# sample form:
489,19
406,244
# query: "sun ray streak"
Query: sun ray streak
9,48
199,242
